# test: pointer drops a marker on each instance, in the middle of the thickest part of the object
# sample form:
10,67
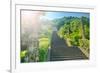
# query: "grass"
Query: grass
43,43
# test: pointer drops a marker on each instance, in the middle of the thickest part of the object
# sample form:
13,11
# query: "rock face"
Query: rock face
60,51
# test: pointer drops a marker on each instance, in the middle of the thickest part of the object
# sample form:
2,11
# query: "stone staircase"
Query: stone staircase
60,51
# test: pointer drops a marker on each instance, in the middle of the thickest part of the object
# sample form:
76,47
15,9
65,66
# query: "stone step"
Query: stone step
62,58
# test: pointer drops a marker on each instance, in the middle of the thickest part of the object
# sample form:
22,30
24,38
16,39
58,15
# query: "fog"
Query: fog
30,21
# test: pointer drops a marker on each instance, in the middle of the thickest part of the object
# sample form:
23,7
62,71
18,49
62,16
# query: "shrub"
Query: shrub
43,48
23,55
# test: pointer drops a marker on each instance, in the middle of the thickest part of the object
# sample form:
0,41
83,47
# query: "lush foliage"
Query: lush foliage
75,31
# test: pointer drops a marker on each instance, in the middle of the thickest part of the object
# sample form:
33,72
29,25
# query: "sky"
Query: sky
53,15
